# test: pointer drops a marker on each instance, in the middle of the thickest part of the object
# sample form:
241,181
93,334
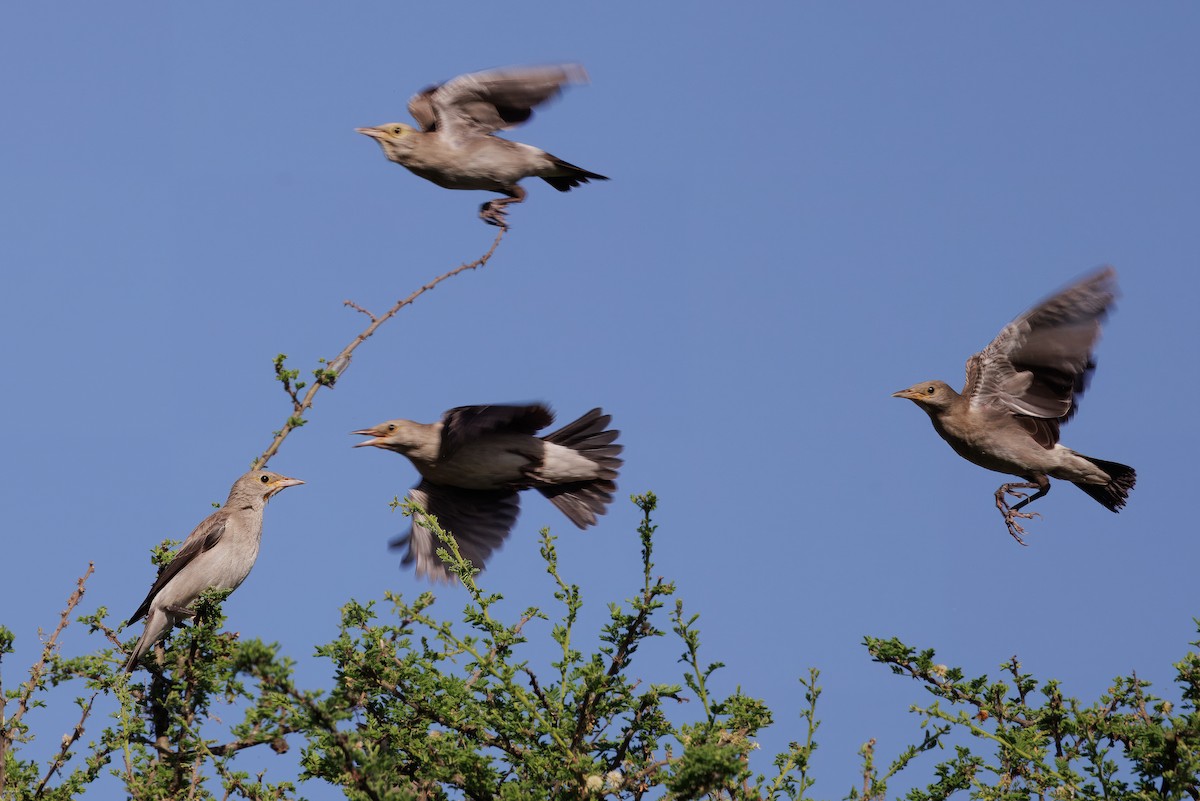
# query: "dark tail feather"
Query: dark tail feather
583,501
1111,496
571,176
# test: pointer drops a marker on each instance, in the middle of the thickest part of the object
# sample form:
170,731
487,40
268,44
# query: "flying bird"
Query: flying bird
218,554
1020,389
475,461
454,145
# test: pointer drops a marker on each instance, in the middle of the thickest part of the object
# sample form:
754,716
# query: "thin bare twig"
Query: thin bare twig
338,364
35,675
67,741
35,672
358,308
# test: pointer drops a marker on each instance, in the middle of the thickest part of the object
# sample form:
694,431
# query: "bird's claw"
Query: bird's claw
1014,528
493,214
1015,531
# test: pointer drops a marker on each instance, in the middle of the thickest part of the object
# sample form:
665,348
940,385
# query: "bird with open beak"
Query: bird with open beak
218,555
454,145
1019,390
475,461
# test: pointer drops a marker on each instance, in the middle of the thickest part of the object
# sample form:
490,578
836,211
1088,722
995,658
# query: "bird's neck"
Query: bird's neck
242,504
950,419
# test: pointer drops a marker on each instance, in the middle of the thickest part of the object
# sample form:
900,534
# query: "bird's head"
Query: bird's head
393,137
261,484
929,395
401,436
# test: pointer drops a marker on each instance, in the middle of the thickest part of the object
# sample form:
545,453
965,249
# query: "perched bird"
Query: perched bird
1020,389
454,146
218,554
475,461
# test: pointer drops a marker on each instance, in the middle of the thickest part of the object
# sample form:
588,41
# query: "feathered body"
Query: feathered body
218,554
477,458
454,145
1021,389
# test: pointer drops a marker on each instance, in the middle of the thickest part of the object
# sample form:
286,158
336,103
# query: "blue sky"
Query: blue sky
811,206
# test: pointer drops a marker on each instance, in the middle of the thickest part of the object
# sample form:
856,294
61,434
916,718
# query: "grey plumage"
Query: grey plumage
1020,390
218,554
454,146
475,461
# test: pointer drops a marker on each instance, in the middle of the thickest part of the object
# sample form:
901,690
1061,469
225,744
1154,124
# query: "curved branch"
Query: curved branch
337,366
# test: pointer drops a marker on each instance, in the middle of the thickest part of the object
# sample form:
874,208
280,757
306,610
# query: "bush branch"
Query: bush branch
329,374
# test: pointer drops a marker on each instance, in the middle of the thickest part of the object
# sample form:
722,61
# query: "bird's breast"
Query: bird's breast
480,163
224,567
991,440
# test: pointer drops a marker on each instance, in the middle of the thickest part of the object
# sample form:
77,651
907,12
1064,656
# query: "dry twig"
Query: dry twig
337,366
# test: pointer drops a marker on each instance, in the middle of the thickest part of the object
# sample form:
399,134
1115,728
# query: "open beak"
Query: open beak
375,440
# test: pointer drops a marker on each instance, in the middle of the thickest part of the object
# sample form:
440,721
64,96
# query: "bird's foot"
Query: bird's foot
1014,528
182,611
1012,513
493,213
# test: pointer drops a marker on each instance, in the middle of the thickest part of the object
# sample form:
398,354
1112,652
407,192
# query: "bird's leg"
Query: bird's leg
493,211
1042,485
1011,513
181,611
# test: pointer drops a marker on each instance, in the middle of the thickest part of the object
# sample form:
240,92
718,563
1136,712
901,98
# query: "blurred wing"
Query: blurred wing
481,103
466,423
1039,364
421,109
480,521
202,539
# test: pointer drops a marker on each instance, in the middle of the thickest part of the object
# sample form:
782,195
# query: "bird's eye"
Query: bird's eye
929,390
397,130
391,428
265,479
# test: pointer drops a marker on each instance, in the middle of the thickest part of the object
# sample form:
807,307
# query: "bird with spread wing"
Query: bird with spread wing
1020,390
477,458
454,144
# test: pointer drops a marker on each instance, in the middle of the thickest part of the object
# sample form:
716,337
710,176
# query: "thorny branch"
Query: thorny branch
950,690
64,751
328,376
361,781
35,675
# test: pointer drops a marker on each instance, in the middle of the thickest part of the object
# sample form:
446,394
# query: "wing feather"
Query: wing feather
480,521
202,539
1038,366
466,423
480,103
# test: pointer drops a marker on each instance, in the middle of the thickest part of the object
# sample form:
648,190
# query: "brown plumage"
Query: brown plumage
455,146
475,461
218,554
1019,391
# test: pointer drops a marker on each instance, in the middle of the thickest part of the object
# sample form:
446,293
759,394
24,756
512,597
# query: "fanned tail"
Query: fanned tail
1111,496
583,501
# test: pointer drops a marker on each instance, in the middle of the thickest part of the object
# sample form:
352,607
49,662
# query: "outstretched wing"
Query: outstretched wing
1038,366
202,539
465,423
480,103
480,520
